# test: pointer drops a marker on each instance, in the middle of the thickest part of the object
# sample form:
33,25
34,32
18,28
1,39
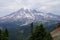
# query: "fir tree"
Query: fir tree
31,28
32,31
40,34
5,35
0,33
58,24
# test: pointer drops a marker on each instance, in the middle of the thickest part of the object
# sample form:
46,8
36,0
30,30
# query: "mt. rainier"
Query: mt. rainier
21,20
27,16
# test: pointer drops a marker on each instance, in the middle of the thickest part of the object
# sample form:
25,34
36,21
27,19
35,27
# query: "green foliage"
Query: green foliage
0,34
4,34
40,34
58,24
31,28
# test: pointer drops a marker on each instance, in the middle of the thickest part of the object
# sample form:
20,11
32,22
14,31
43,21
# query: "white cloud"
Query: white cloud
8,6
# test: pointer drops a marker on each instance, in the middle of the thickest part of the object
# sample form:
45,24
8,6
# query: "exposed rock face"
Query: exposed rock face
56,33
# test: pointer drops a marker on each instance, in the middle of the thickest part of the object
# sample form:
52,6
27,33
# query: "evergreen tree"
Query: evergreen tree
6,31
0,34
5,35
58,24
40,34
32,30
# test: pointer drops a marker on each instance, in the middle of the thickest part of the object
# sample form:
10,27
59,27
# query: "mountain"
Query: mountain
18,23
26,16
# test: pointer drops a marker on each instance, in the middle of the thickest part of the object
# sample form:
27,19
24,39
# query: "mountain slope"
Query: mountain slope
20,21
56,34
27,16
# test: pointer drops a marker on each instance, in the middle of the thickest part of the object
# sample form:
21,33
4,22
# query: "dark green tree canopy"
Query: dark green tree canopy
40,33
4,34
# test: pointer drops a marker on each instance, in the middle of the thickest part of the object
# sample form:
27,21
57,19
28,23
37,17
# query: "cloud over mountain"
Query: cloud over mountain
8,6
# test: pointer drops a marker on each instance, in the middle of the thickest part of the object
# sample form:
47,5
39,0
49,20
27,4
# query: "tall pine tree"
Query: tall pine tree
0,33
40,34
5,35
32,31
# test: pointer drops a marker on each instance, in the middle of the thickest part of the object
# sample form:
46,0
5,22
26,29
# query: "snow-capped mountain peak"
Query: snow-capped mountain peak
26,16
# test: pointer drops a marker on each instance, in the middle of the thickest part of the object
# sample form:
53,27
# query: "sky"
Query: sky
9,6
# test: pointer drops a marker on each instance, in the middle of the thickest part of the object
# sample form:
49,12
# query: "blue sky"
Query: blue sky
9,6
